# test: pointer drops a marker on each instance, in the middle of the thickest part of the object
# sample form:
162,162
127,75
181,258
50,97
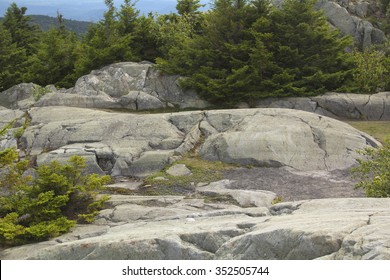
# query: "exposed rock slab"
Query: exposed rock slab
316,229
125,85
276,137
137,145
244,198
289,184
350,18
337,105
10,122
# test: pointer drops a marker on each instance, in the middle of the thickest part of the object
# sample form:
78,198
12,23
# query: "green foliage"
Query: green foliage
54,61
378,129
203,171
12,57
110,39
370,73
277,200
7,157
188,7
4,130
311,55
374,173
39,91
48,205
46,23
22,33
240,50
248,50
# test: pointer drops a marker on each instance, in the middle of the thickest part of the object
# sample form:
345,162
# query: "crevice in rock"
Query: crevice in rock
316,104
318,138
369,141
136,101
211,241
165,248
368,101
86,257
284,209
361,114
206,118
346,245
383,109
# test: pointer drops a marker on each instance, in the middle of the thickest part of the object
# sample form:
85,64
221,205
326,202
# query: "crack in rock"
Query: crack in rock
285,208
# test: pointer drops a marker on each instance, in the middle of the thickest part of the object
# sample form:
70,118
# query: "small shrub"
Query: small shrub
49,205
18,133
39,91
4,130
277,200
370,72
374,173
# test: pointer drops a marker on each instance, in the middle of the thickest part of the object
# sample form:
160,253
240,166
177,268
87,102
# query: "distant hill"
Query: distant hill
46,22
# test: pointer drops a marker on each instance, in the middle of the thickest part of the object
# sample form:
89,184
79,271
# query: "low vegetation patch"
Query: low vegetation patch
374,173
203,171
39,91
50,204
377,129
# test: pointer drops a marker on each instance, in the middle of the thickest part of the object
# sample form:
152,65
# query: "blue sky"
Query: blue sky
89,10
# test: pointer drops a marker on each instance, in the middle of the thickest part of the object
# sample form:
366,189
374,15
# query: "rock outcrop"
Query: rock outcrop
350,17
126,85
373,107
176,228
138,87
124,144
63,123
10,121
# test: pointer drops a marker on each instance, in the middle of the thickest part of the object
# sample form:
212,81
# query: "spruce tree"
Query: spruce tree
311,55
54,61
188,7
23,34
104,43
11,58
248,50
223,63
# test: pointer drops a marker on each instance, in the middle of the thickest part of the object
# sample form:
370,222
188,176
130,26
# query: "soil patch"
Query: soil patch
292,185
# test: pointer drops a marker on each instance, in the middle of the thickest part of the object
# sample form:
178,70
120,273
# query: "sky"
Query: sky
87,10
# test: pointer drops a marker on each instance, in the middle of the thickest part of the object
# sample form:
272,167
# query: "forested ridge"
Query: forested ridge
45,23
239,50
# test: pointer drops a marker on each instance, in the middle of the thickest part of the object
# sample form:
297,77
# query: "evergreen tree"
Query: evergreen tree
189,11
248,50
224,64
18,41
110,40
146,39
54,61
188,7
23,34
311,54
11,57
